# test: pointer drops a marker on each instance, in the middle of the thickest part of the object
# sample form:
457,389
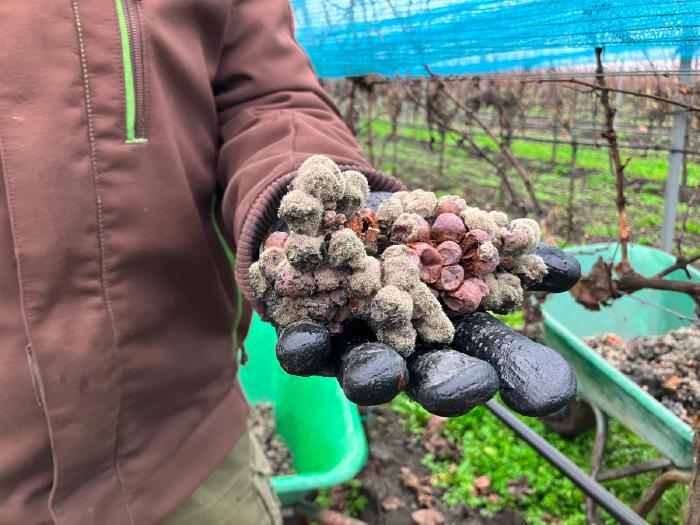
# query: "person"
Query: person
135,135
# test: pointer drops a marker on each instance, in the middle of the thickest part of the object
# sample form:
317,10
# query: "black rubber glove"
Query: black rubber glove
486,356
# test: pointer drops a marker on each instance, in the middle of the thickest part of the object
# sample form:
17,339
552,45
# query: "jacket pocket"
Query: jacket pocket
129,15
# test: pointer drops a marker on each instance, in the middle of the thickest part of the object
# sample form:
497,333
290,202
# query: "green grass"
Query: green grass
354,497
595,219
653,166
491,449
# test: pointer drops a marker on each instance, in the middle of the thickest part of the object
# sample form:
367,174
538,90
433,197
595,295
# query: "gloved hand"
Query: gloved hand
484,357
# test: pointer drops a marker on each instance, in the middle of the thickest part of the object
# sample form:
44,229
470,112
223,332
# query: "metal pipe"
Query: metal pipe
588,486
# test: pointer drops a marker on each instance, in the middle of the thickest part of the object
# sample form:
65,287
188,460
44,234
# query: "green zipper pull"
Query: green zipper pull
128,14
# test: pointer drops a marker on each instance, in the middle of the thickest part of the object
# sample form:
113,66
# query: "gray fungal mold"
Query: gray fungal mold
404,269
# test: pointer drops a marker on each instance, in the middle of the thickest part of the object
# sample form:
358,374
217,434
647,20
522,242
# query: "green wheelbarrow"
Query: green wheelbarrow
647,312
320,426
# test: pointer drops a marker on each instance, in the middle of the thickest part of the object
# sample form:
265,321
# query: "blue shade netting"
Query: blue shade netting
398,37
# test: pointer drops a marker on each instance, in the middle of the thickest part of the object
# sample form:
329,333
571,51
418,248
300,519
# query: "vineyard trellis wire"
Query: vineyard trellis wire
433,125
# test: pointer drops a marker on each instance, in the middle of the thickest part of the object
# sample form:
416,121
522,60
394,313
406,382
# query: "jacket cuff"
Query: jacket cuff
262,216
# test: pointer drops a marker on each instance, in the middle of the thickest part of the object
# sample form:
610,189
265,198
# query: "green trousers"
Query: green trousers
238,492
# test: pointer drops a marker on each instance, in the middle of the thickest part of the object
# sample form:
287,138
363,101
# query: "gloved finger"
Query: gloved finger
304,349
449,383
563,270
371,373
535,380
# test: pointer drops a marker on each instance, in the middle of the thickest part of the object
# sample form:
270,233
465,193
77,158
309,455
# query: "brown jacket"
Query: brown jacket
119,120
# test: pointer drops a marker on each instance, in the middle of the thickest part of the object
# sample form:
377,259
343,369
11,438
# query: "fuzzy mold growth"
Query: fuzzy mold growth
405,268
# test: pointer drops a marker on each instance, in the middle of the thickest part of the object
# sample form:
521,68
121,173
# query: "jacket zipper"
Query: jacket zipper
130,30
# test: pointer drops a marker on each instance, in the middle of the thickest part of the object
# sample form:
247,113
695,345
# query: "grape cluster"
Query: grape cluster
403,269
470,258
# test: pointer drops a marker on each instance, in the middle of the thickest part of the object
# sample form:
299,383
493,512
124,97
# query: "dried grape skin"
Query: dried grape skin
429,261
467,298
339,296
332,220
480,255
302,212
447,227
451,277
488,259
410,227
276,240
450,251
291,282
450,204
369,216
360,307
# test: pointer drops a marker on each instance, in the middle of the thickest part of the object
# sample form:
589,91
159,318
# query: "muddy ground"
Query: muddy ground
398,486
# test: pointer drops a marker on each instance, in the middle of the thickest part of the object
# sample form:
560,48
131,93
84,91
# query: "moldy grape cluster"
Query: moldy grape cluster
403,269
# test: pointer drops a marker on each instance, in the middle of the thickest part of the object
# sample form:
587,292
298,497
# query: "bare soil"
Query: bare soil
397,485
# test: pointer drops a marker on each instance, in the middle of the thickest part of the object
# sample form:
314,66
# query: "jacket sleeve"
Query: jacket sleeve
272,115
